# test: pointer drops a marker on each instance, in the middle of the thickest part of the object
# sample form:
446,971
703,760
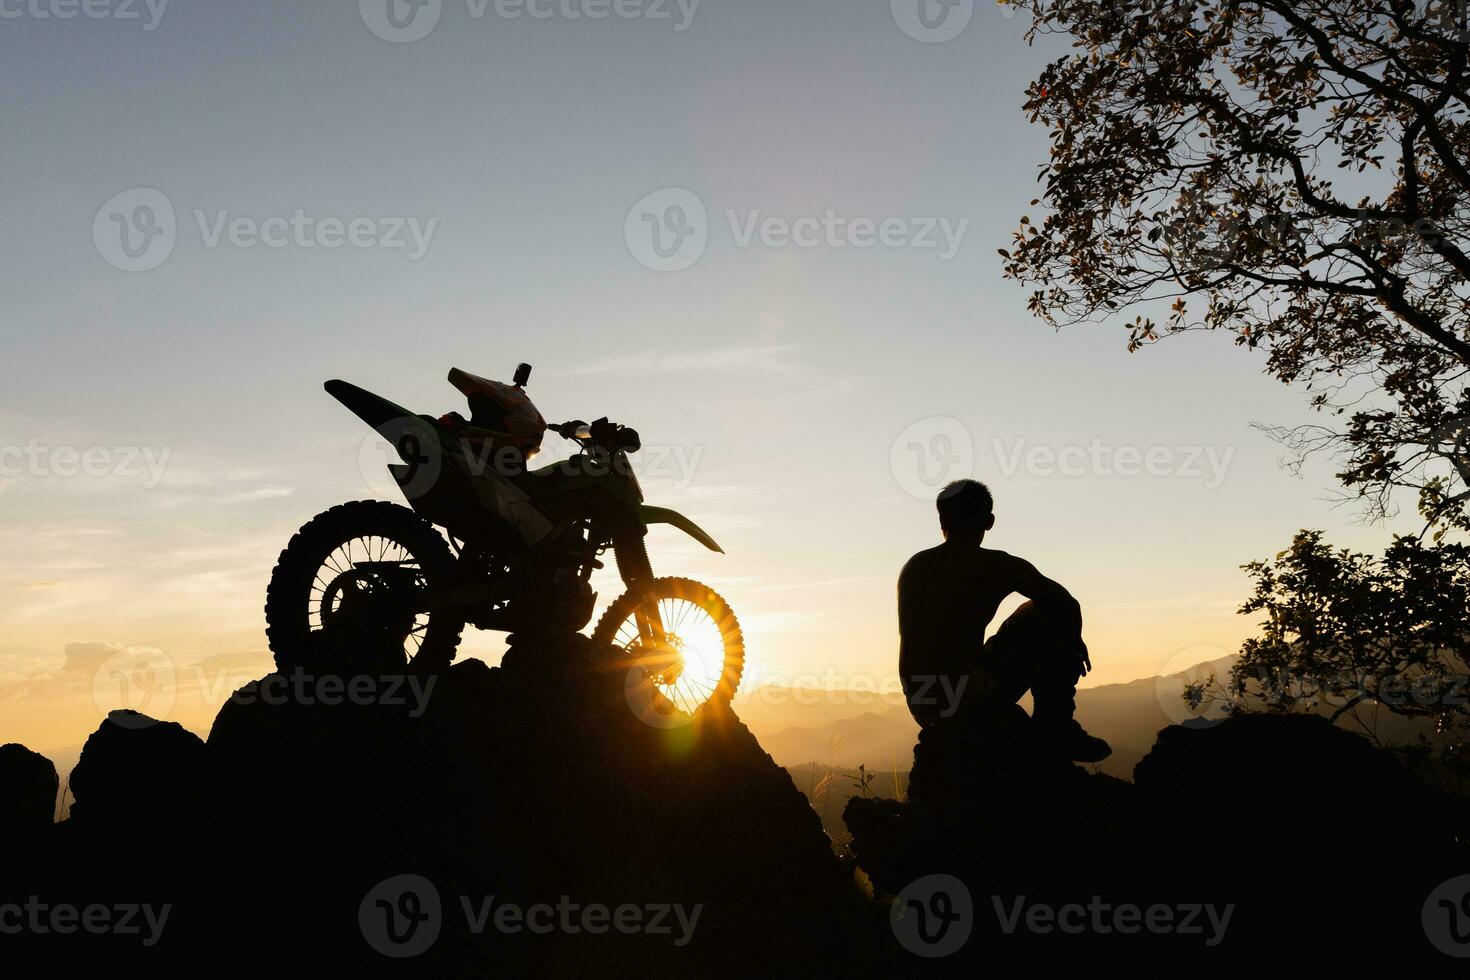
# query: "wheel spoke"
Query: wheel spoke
341,570
690,701
697,636
691,696
685,613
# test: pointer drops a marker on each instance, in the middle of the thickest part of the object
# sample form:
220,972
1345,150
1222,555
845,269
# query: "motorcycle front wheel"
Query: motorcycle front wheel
703,653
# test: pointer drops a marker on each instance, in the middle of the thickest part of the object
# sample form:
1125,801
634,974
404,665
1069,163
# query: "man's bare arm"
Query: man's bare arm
1057,606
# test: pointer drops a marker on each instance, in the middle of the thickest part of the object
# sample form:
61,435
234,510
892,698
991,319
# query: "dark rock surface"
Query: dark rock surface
1302,776
1308,831
28,785
533,783
137,770
340,821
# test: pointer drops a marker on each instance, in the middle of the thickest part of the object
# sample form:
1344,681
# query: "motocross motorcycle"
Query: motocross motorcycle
517,550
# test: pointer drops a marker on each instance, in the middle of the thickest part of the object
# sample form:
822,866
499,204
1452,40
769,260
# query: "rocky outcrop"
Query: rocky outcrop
1297,777
543,818
1295,827
137,770
657,844
28,786
986,804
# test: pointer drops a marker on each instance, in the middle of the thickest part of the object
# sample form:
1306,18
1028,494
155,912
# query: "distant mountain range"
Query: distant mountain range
845,729
822,757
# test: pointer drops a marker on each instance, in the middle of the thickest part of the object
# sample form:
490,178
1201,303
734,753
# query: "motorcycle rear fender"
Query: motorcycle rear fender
445,494
662,515
377,411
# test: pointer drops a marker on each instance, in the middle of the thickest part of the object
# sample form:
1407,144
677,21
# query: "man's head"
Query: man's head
966,510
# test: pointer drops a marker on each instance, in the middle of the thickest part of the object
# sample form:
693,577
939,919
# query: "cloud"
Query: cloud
89,656
823,584
259,661
783,623
770,359
253,496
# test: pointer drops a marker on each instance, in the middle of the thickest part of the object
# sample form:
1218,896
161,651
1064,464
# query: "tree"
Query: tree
1292,172
1345,630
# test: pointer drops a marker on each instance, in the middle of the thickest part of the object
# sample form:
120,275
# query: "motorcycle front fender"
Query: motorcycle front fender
662,515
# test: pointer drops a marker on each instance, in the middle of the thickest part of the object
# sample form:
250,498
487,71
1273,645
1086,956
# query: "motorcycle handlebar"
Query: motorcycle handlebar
602,432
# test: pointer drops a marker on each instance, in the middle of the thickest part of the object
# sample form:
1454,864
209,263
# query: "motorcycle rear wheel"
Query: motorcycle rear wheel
333,555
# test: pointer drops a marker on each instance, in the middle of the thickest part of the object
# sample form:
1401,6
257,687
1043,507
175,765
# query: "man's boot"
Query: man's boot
1069,740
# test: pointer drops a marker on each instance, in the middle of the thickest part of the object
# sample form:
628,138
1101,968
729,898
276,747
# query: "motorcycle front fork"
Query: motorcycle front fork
631,551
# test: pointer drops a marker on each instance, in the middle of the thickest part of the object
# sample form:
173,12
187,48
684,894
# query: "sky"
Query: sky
764,234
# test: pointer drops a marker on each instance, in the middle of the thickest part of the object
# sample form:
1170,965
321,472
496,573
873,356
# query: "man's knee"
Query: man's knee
1031,645
1026,625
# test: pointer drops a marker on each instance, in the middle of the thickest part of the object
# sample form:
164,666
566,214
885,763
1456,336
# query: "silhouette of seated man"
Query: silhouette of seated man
947,596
